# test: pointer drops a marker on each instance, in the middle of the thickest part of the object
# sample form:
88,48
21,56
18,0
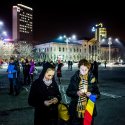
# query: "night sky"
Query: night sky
52,18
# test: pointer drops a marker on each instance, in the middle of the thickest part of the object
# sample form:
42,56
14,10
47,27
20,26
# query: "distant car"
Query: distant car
99,63
123,63
116,63
4,65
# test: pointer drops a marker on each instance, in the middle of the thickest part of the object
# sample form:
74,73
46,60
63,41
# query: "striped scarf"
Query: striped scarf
82,100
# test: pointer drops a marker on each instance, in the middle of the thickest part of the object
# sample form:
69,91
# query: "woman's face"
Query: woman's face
83,70
49,74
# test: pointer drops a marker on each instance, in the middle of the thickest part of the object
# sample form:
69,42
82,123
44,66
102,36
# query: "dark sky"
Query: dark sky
52,18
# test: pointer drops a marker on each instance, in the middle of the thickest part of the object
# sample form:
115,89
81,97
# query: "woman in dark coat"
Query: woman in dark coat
95,70
26,70
44,96
59,71
82,85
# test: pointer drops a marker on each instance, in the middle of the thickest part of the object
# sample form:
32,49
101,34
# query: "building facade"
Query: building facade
60,51
87,49
22,23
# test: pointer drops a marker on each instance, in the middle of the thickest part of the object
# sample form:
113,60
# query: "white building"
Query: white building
61,50
75,51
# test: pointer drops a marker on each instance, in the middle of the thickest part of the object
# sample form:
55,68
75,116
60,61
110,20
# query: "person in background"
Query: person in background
71,63
32,69
105,63
82,85
95,70
68,65
44,96
12,76
26,70
19,84
59,71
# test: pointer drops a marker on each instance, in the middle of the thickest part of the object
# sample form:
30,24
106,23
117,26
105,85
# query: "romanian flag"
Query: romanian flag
89,110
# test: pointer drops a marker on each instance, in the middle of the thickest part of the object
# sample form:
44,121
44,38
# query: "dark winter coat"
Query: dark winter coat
26,68
74,87
95,70
38,94
59,70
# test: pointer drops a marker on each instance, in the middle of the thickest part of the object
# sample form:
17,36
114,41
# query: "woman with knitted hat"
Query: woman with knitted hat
82,85
44,96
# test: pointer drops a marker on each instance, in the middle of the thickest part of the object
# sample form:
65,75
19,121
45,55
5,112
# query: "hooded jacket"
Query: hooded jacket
39,92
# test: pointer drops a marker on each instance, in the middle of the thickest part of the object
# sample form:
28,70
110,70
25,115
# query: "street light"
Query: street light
67,40
1,23
116,44
2,33
109,43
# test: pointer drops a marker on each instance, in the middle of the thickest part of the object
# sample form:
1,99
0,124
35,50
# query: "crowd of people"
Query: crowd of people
45,95
13,71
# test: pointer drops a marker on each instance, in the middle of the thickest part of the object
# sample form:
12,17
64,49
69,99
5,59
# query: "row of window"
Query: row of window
63,56
27,15
22,31
65,50
60,49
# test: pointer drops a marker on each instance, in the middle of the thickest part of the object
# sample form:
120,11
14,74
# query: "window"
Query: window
59,49
77,49
85,50
63,49
92,49
74,50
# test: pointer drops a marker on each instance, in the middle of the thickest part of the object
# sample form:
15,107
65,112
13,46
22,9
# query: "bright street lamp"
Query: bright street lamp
4,33
67,40
109,43
1,23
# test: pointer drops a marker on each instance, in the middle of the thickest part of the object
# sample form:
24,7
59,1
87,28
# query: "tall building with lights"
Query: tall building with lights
100,32
22,23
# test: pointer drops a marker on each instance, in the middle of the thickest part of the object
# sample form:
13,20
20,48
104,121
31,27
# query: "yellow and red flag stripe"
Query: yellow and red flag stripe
89,110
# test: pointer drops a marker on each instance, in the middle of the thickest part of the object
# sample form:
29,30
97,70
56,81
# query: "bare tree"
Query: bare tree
24,49
1,50
6,50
